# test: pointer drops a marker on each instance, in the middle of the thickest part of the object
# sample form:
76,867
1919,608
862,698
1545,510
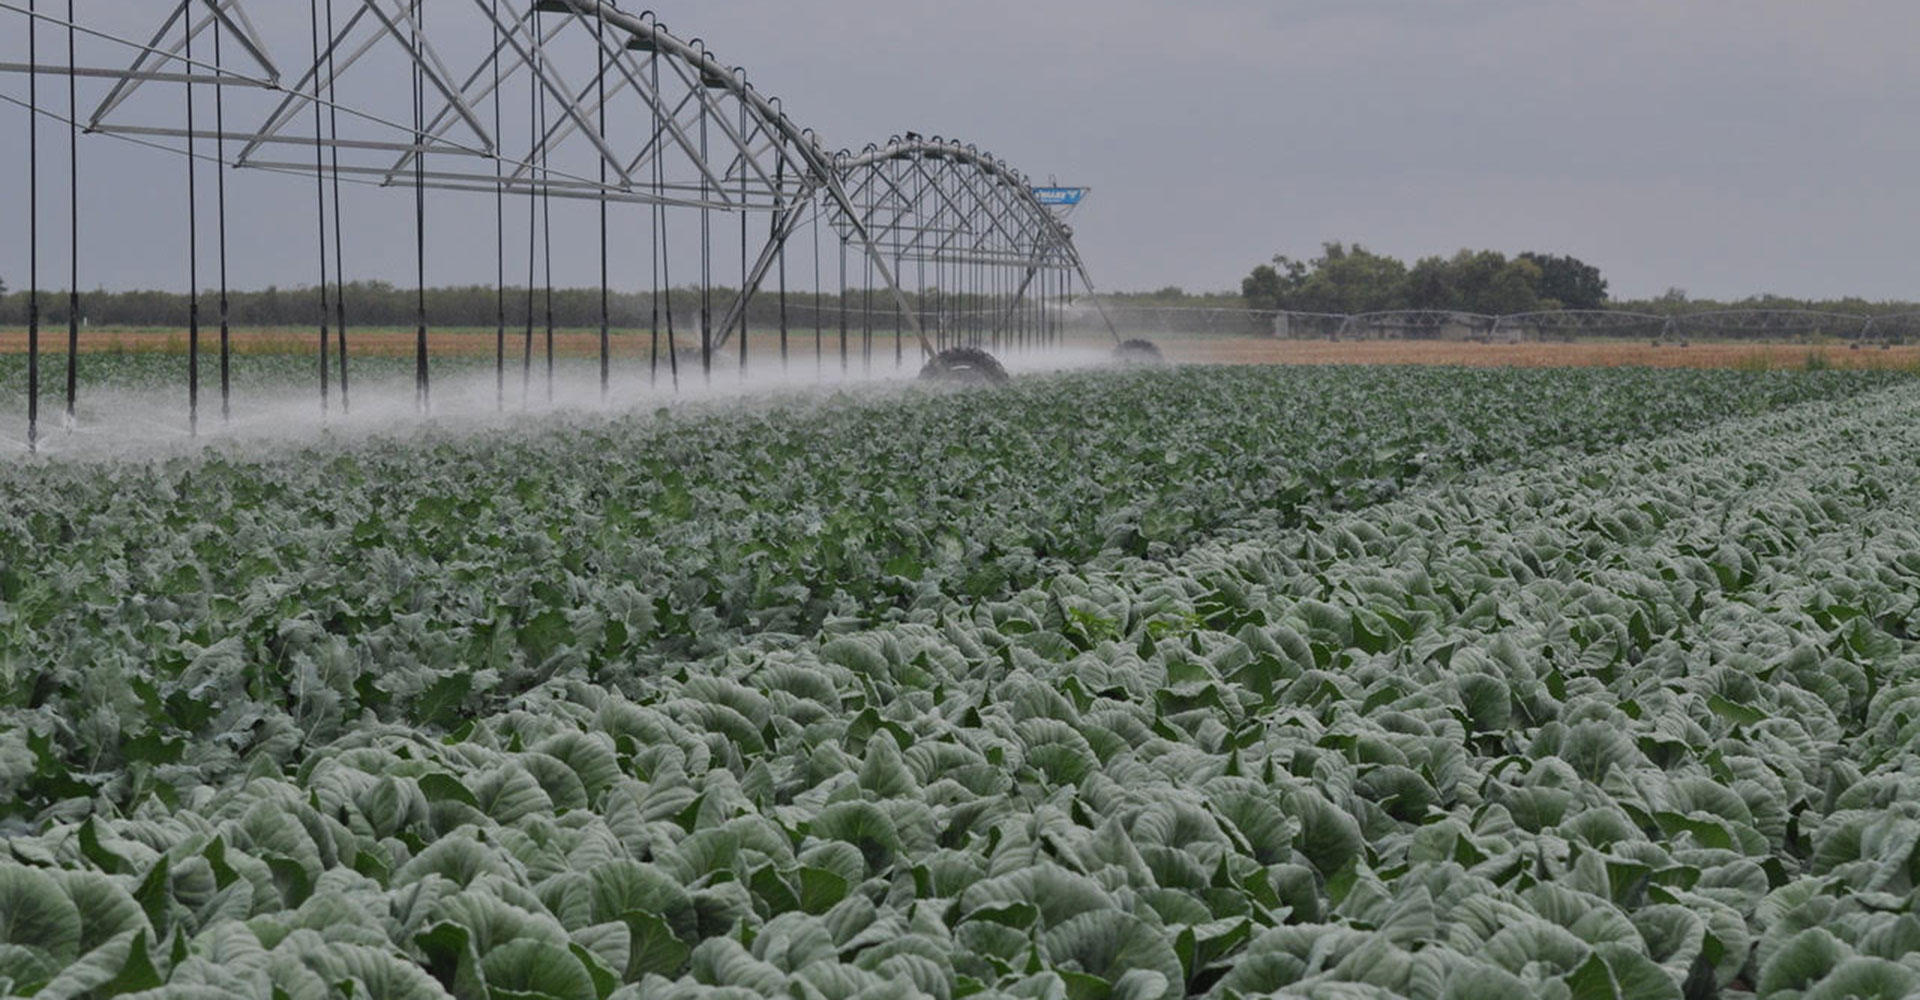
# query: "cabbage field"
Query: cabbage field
1209,682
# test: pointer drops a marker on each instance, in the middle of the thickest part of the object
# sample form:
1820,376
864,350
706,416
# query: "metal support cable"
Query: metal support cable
653,297
33,226
942,306
666,262
843,307
220,196
423,400
970,284
944,271
600,32
546,257
1045,333
745,292
1052,307
981,327
339,237
706,259
920,293
899,316
533,237
819,303
666,281
73,224
990,302
996,281
193,265
320,204
1061,295
660,254
780,177
1008,283
499,231
653,243
866,319
1037,339
546,204
866,302
1042,317
970,287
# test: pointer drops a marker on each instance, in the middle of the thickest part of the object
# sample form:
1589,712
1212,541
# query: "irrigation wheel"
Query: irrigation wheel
964,365
1138,352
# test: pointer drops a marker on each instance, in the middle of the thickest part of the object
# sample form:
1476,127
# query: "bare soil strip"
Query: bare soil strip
1534,355
629,344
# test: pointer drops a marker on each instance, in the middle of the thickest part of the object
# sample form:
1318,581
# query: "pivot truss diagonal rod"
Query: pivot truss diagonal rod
526,107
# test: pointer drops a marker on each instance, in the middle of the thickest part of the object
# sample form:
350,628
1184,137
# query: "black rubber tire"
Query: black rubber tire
964,365
1138,352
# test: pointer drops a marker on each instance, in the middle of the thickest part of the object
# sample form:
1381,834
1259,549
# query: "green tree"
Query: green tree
1513,288
1477,281
1430,285
1351,279
1568,281
1343,279
1263,289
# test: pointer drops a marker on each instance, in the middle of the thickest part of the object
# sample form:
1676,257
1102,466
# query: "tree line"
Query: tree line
380,304
1676,302
1343,279
1353,279
1349,279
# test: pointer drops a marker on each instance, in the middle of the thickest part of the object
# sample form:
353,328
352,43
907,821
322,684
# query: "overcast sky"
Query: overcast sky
1728,147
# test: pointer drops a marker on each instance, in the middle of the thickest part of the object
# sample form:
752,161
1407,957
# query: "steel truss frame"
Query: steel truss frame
1887,331
1760,324
1755,324
764,159
1417,323
933,201
697,134
1566,324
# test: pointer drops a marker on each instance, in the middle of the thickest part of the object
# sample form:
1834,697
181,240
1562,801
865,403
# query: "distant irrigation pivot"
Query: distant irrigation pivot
507,108
1749,325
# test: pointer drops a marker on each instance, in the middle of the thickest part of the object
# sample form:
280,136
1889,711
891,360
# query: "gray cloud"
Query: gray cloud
1726,146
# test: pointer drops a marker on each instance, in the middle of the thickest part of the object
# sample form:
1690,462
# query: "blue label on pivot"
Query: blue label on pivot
1059,195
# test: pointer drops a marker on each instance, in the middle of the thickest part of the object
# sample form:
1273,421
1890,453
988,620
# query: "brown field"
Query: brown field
576,343
447,342
384,342
1534,355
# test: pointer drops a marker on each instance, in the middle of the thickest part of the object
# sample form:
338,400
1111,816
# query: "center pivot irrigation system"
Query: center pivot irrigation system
517,109
1755,324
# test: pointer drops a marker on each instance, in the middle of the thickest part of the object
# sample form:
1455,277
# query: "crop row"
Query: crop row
1634,725
156,611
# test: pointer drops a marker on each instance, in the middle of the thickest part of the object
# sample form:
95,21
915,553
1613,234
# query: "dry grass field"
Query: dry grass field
1535,355
448,342
381,341
636,344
